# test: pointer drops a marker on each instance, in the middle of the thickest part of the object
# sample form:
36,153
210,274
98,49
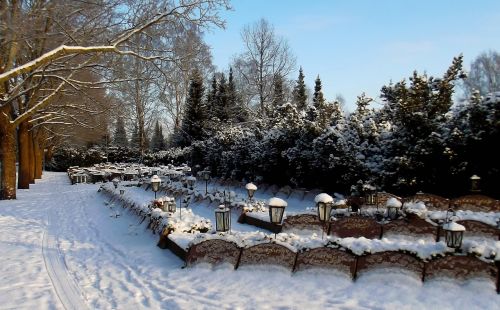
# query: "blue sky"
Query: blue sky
360,45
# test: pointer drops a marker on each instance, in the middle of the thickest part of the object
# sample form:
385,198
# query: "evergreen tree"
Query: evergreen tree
278,95
134,139
299,93
157,141
211,98
318,99
237,110
120,136
194,123
222,100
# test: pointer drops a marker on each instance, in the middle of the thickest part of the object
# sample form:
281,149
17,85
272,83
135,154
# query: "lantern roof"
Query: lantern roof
277,202
323,197
155,178
452,226
251,186
475,177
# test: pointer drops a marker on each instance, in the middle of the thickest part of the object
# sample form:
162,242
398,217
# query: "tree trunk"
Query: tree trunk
32,156
38,160
7,158
24,142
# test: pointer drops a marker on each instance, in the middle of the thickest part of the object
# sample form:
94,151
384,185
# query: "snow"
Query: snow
452,226
251,186
155,178
277,202
323,197
393,202
60,249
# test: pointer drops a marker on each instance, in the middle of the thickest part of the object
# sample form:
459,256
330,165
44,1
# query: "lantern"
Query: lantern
324,205
454,234
222,219
155,183
276,210
206,177
190,181
171,207
370,196
393,206
122,191
115,182
251,188
475,181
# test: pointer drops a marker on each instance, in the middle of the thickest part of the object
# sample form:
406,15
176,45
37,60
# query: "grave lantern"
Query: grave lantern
251,188
475,182
276,210
115,182
371,198
122,191
171,207
190,181
222,219
155,183
454,234
324,205
393,206
206,177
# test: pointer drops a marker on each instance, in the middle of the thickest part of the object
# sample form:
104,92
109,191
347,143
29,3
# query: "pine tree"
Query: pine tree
157,141
194,123
278,95
211,98
120,136
299,93
318,99
222,100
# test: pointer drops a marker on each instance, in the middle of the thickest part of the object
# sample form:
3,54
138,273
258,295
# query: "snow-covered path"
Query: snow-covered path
61,247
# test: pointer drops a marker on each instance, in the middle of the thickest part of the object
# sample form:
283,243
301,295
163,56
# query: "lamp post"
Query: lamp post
155,183
222,219
475,182
251,189
324,205
206,177
276,210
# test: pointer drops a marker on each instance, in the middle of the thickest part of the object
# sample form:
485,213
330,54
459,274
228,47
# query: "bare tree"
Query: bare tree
40,63
266,56
484,74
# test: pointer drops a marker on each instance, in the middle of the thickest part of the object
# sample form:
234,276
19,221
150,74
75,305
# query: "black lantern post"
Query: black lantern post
454,234
155,183
276,210
222,219
393,206
251,189
475,184
324,206
206,177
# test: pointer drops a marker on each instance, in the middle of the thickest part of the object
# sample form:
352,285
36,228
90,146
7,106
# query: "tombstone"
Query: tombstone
268,254
326,258
355,226
214,252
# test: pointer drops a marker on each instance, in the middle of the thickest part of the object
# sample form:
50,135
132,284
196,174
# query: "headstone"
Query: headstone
268,254
390,259
459,267
328,258
355,226
213,252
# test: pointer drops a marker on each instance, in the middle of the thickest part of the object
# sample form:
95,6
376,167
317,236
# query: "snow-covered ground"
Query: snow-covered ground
61,247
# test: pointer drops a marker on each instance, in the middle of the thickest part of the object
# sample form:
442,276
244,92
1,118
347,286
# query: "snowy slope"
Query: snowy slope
61,247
